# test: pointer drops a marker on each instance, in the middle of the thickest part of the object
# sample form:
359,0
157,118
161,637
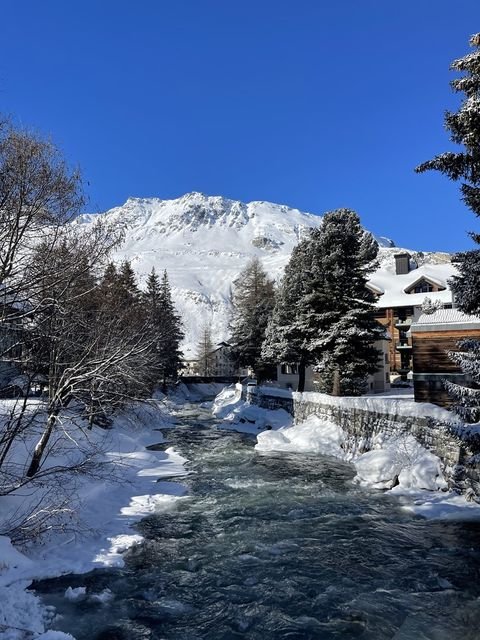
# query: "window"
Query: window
423,287
289,369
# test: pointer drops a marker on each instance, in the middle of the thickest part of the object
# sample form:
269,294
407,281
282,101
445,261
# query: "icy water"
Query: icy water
280,547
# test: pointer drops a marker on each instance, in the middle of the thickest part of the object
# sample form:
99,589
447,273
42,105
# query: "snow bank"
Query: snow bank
238,415
195,391
227,400
312,436
398,460
438,506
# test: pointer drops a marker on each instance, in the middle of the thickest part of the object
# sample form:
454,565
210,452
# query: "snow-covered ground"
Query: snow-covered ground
396,463
107,509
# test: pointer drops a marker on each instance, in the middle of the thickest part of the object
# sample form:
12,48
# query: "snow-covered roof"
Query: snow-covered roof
395,286
425,278
452,319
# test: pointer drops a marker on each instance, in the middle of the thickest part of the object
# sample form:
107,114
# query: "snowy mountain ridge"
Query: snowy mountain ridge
204,242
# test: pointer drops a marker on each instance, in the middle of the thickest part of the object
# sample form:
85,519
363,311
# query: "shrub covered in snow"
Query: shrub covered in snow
402,461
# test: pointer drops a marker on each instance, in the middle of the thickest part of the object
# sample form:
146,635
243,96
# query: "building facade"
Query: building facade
433,336
401,291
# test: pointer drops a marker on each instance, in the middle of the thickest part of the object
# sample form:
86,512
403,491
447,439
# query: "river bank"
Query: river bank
103,510
375,434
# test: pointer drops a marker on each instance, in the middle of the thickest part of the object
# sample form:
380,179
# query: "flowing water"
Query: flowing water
269,547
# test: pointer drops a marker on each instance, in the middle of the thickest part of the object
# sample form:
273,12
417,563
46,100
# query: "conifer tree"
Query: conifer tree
286,335
204,352
253,301
128,293
324,312
165,324
464,165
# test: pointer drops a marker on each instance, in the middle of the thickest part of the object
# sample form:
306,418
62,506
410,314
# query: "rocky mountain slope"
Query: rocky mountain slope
204,242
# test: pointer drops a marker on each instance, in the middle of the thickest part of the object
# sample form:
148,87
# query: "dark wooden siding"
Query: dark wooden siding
431,391
430,361
430,351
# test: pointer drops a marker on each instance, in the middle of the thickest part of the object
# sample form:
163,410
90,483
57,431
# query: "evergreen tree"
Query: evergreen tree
165,324
464,129
204,352
287,335
128,293
344,349
253,301
324,313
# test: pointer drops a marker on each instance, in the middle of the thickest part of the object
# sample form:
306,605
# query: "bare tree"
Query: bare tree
92,353
37,191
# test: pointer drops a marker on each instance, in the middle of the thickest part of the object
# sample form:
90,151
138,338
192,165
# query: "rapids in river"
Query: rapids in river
271,547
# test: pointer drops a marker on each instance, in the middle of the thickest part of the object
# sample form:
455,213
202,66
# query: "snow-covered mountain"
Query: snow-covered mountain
204,242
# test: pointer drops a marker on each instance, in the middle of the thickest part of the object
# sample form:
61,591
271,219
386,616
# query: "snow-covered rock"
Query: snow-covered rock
312,436
400,461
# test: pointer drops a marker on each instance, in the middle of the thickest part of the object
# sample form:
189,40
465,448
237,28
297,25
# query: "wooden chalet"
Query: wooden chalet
433,336
400,294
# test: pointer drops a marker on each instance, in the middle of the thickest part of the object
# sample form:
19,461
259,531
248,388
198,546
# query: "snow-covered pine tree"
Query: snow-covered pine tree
289,331
170,332
464,129
253,301
324,313
344,347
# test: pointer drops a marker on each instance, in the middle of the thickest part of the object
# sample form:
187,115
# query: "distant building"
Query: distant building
400,296
433,336
220,363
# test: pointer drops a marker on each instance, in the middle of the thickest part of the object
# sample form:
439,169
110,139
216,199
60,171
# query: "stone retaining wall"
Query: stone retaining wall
458,449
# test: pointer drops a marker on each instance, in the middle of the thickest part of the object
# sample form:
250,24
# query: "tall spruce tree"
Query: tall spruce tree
324,312
253,302
128,293
464,129
165,325
288,335
170,333
204,352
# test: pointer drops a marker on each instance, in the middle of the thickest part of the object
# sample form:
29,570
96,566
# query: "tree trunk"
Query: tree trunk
336,383
301,377
41,445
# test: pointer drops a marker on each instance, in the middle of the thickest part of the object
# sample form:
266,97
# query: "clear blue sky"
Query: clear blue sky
317,104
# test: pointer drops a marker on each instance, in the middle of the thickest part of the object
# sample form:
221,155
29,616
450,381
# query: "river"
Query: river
270,547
